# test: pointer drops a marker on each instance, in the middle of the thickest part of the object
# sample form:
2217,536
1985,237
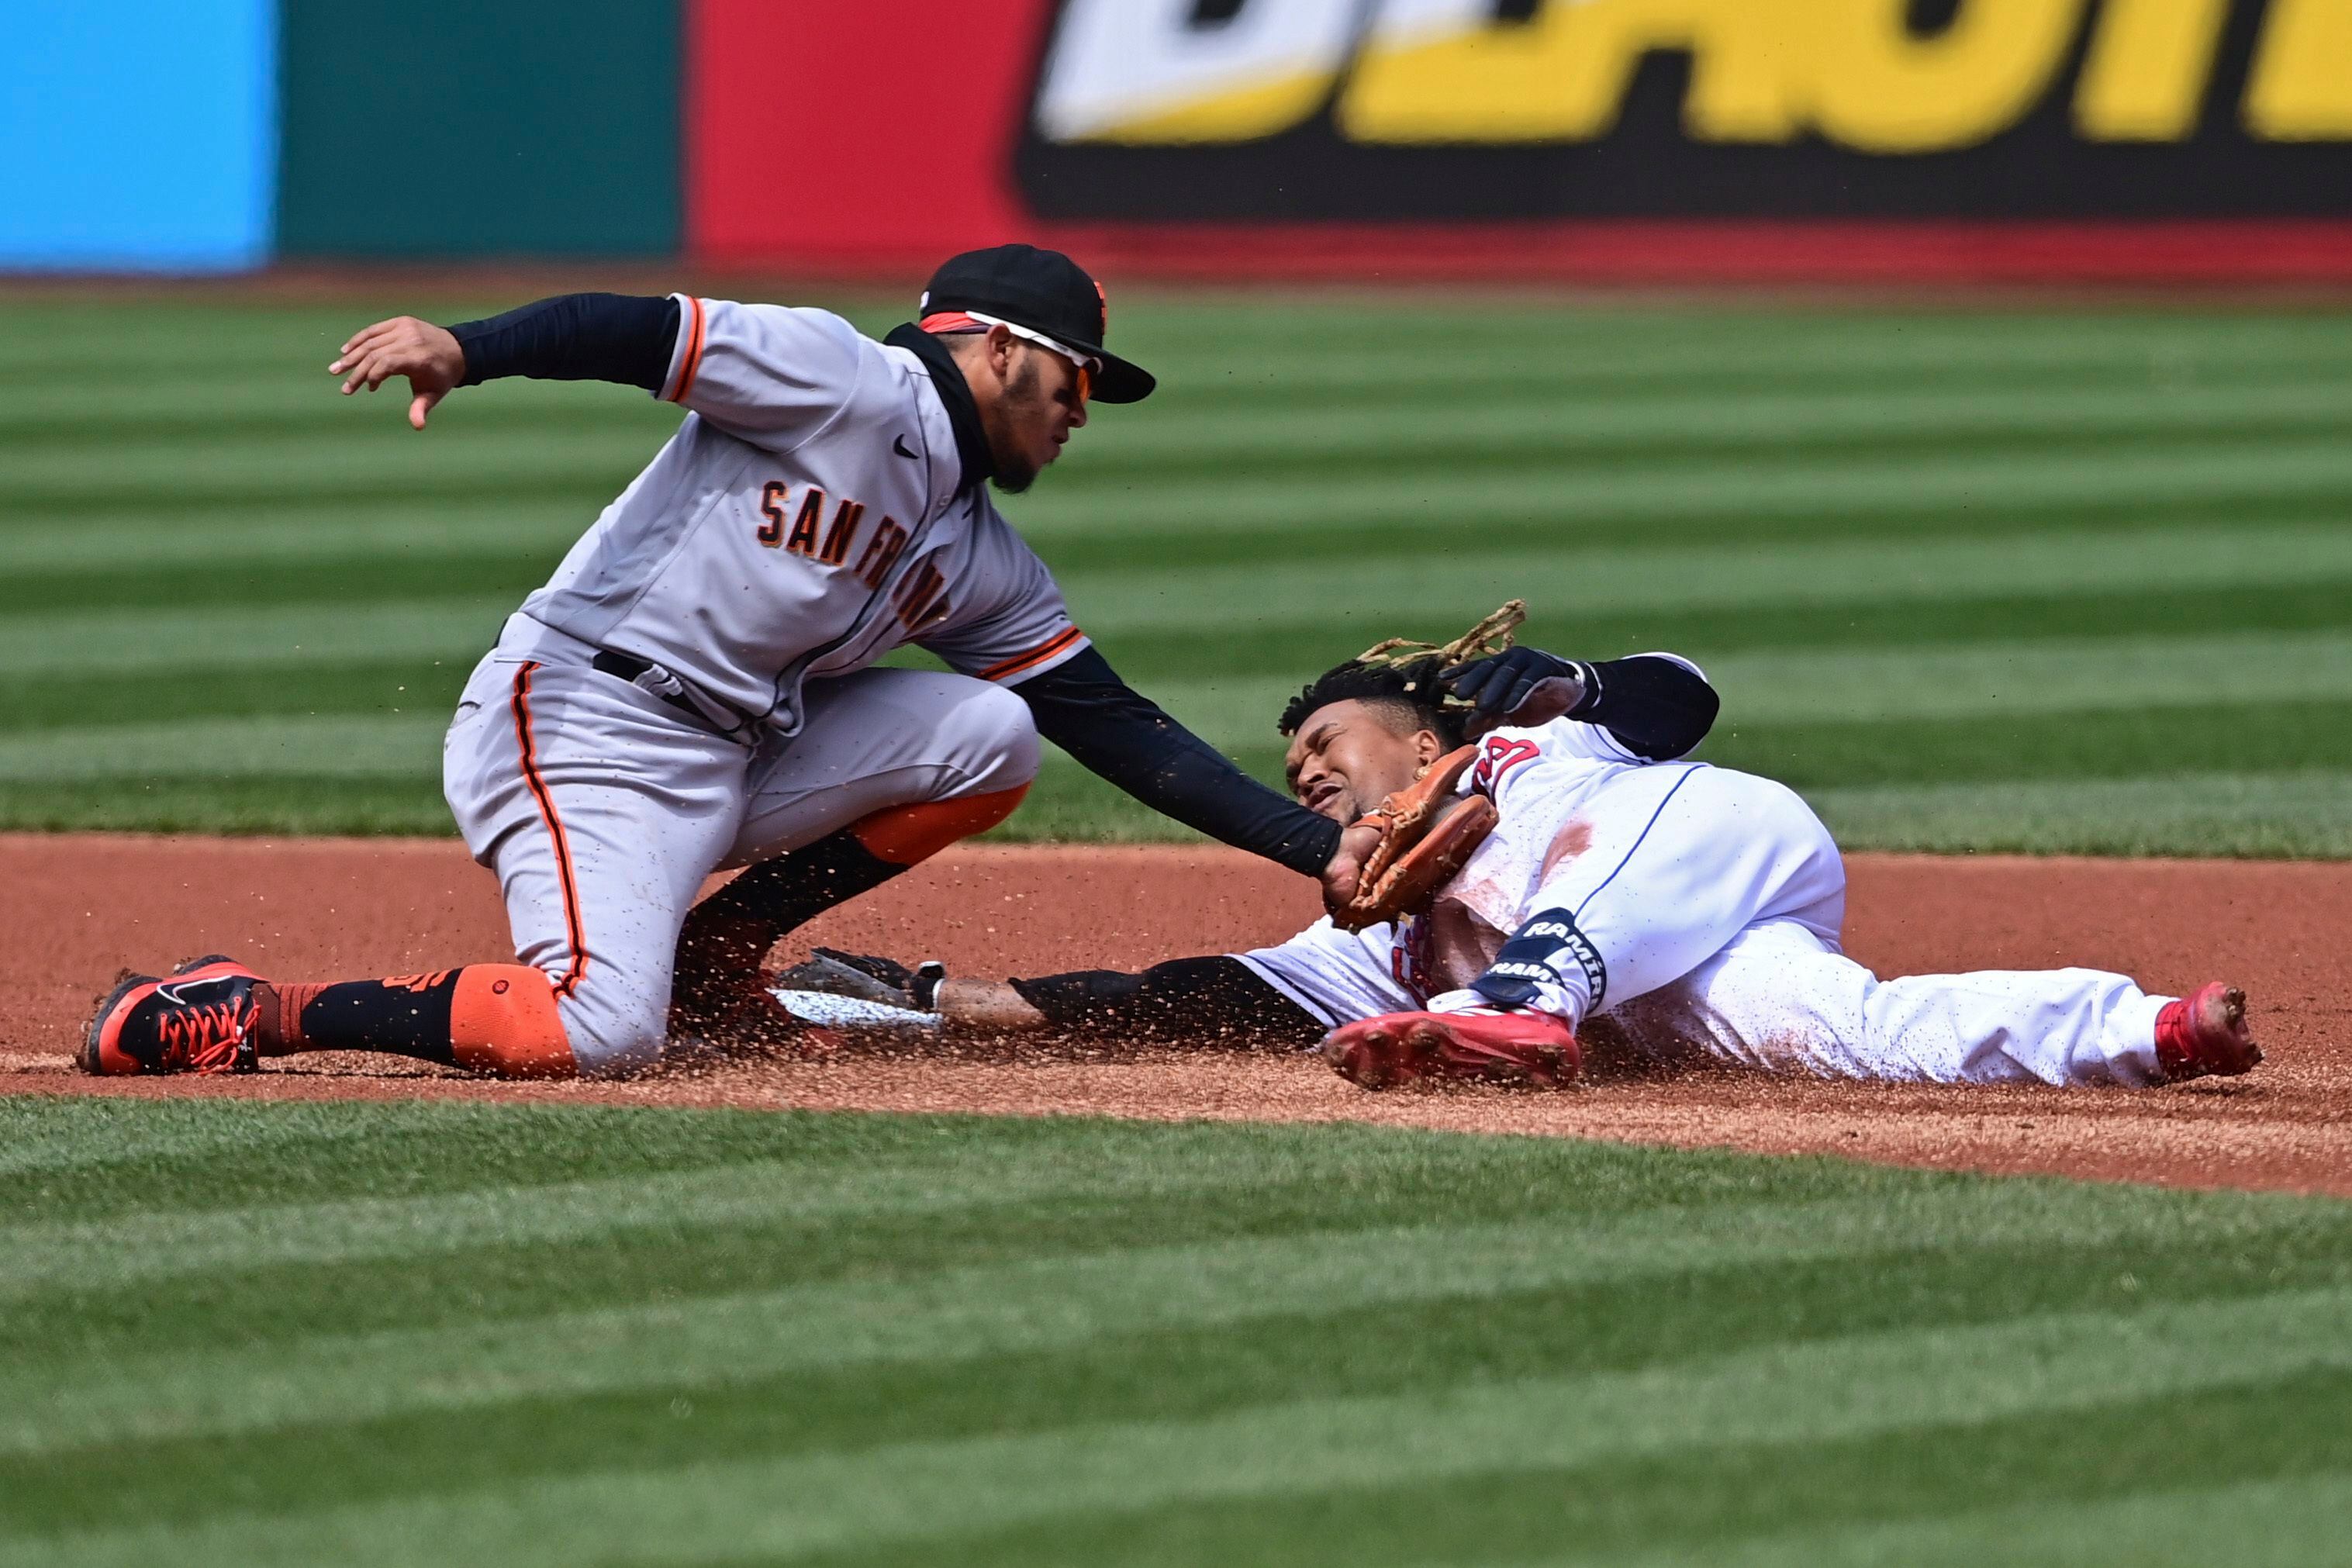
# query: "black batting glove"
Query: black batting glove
1499,685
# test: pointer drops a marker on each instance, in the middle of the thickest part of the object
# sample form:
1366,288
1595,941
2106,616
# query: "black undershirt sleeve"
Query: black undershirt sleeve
622,338
1205,1001
1083,707
1657,708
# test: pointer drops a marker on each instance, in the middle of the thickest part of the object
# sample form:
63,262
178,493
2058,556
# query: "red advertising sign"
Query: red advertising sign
1923,140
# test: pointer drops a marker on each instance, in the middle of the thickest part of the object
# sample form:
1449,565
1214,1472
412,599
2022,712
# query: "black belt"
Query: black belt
629,666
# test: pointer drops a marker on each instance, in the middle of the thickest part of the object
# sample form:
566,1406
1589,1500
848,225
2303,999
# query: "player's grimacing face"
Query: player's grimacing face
1349,756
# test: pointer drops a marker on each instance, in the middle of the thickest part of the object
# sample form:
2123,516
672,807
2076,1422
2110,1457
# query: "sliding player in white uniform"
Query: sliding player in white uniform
1669,907
694,687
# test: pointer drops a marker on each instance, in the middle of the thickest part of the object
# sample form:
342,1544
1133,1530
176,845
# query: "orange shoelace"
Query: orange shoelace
206,1037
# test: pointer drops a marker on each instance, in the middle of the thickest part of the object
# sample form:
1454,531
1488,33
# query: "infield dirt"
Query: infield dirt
90,905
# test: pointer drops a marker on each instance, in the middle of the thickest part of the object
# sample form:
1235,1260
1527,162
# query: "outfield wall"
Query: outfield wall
137,136
1672,140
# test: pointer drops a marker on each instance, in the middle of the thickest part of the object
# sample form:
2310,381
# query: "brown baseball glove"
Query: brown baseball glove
1427,834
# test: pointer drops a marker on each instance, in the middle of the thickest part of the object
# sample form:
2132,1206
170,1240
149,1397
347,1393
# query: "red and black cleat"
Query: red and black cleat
198,1019
2205,1034
1482,1046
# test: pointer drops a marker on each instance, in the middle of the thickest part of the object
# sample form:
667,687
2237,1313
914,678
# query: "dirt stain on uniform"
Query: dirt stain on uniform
1574,839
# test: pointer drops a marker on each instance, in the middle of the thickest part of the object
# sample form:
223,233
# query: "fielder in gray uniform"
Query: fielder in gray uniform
694,687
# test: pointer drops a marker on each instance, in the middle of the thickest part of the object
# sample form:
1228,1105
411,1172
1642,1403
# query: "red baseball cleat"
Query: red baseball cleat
2205,1033
201,1019
1484,1045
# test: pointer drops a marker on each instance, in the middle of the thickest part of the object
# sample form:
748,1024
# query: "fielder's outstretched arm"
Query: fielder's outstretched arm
622,338
1083,707
626,338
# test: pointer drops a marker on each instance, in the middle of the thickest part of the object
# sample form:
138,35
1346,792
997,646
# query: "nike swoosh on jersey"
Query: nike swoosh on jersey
899,445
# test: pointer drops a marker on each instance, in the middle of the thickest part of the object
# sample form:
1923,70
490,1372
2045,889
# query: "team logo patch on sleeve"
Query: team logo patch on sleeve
1498,757
1533,957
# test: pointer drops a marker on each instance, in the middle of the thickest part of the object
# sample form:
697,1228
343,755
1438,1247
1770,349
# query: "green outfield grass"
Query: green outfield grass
2035,578
399,1333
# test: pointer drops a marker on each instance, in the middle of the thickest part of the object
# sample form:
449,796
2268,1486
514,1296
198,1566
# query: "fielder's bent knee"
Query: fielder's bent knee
611,1023
908,835
995,740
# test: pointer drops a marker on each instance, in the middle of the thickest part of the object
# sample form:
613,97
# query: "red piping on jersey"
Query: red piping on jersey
578,966
1058,643
693,351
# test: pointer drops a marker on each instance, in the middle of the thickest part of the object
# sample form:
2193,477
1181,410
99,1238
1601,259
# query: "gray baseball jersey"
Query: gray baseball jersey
806,519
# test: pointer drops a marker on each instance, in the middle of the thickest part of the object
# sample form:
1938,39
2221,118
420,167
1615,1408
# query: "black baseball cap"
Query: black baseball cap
1045,292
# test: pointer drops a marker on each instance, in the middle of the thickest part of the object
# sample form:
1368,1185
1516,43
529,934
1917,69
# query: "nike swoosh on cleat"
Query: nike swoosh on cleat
899,445
175,993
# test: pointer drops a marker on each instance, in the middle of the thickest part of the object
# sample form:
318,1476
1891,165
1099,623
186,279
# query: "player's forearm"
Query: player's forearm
622,338
986,1007
1195,1000
1657,707
1084,708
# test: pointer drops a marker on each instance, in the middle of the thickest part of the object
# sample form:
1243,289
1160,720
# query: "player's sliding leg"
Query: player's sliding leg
890,767
1778,998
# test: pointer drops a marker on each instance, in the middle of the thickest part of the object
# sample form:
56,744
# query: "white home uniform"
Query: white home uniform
1695,912
808,517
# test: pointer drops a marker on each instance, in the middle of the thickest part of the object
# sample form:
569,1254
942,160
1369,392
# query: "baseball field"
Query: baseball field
1984,581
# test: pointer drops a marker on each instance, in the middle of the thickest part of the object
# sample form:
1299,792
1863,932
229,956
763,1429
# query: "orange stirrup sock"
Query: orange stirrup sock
502,1019
908,835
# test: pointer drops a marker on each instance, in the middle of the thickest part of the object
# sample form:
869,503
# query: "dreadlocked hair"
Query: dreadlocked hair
1401,673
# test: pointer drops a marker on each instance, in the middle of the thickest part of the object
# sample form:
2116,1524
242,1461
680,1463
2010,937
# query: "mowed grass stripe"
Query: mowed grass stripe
1863,1387
1056,1305
350,531
1205,399
2254,815
1450,503
1394,439
395,745
1709,635
563,460
409,805
2180,1522
425,1148
1602,592
312,524
302,686
1397,429
1910,684
143,1251
1804,581
1652,487
129,641
1120,544
1155,1371
1648,1508
2149,744
1760,688
1203,334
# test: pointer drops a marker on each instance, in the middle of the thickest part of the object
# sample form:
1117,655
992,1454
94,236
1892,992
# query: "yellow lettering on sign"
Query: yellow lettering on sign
2301,86
1880,88
2145,75
1853,72
1242,114
1446,72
